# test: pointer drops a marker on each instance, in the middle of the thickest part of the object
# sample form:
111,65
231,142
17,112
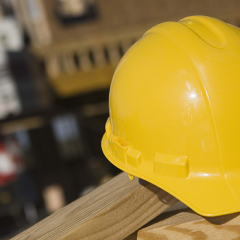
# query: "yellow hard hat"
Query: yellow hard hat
175,113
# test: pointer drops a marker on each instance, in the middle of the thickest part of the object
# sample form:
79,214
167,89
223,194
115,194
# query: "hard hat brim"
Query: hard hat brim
207,194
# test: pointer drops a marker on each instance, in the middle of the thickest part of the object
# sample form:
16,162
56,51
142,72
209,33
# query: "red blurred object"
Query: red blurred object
10,165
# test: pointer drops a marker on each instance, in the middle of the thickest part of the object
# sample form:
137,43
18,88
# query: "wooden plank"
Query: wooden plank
53,67
85,62
114,54
100,59
69,66
189,225
112,211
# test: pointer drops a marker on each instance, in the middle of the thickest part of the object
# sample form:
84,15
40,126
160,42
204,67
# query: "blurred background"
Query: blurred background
57,58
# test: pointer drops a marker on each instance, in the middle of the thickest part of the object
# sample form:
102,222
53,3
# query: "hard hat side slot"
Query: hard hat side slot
119,148
171,165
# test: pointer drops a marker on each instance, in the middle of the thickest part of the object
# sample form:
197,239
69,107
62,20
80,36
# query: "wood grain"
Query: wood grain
189,225
112,211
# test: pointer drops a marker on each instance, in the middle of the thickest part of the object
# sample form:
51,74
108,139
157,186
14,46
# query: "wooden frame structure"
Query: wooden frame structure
82,57
117,209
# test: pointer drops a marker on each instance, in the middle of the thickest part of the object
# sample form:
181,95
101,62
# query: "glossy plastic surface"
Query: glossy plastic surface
174,113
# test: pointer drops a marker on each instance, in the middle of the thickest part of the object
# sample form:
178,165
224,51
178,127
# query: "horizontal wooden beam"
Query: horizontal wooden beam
112,211
189,225
83,81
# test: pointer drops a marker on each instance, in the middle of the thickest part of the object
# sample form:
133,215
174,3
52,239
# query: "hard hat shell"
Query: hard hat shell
175,113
